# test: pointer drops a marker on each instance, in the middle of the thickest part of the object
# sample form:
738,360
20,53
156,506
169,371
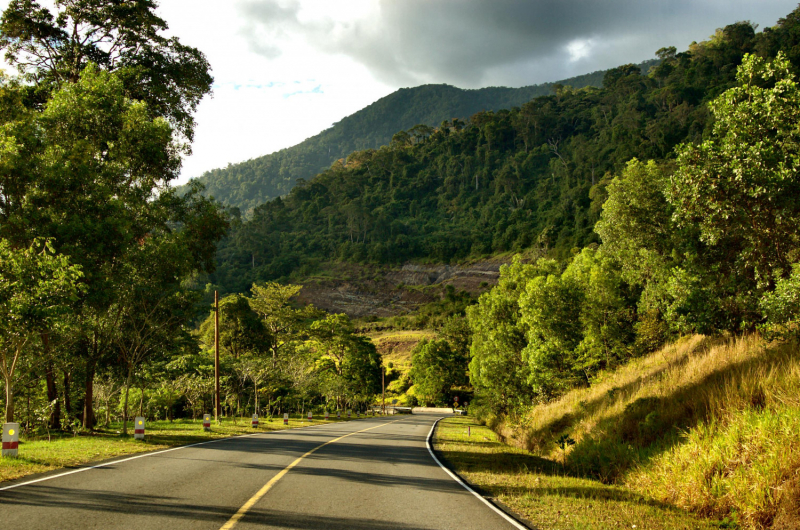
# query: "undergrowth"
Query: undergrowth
710,425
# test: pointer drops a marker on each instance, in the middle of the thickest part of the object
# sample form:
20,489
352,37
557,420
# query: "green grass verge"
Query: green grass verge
540,491
65,451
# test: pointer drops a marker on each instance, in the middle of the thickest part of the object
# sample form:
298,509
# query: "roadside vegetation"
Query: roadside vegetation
543,492
105,311
707,425
61,449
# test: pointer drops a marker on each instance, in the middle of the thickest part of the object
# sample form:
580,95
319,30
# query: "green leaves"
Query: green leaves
51,47
37,287
741,186
781,307
435,370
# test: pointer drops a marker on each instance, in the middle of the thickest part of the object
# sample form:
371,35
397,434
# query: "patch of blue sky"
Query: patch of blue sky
315,90
258,86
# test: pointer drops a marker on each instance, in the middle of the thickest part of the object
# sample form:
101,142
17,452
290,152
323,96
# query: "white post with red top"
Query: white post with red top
10,439
206,422
255,421
326,415
138,428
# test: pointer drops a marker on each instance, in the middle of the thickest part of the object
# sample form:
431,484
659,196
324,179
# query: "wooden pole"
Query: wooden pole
216,356
383,390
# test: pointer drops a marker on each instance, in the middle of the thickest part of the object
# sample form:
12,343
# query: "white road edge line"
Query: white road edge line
455,477
104,464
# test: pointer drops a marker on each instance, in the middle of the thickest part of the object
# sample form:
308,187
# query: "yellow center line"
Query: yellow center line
233,521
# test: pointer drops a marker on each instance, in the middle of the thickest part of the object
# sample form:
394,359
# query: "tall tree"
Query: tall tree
435,369
36,288
740,187
52,45
272,302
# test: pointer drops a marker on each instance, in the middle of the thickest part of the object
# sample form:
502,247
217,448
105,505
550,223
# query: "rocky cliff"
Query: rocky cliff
364,291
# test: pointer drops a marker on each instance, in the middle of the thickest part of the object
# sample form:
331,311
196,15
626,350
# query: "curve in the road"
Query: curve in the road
465,485
382,479
268,486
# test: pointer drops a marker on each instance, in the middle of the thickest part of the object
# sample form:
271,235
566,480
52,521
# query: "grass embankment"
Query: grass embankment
543,492
41,455
711,426
396,347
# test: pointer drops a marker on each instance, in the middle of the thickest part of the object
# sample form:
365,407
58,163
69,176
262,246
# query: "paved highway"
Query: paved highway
367,474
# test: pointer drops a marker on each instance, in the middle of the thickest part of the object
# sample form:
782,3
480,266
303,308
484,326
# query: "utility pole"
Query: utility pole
216,355
383,390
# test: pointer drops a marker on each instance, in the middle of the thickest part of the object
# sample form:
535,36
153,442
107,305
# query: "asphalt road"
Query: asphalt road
366,474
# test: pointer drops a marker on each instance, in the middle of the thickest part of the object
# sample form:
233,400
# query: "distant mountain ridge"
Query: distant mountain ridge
247,184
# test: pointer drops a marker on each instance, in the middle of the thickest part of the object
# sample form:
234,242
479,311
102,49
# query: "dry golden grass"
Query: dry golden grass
542,493
396,346
709,425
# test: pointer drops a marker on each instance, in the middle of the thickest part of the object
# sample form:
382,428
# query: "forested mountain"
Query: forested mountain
247,184
509,180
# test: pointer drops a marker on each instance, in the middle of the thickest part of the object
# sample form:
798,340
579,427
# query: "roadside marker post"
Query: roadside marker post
255,421
285,418
339,414
206,422
10,439
138,428
469,430
326,415
310,416
348,412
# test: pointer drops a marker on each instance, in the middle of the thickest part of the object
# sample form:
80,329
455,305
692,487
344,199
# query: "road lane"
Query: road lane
380,478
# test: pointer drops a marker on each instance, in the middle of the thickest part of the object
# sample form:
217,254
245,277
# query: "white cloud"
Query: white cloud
287,69
579,49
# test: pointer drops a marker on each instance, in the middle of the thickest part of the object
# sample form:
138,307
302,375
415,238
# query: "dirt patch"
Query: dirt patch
400,350
788,516
374,291
469,278
362,298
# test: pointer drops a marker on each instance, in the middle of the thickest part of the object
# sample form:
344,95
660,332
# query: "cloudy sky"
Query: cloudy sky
287,69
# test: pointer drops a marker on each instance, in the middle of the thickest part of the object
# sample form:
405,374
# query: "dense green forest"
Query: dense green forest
248,184
533,176
100,257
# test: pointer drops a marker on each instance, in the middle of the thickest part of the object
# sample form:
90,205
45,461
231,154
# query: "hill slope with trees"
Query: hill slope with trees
532,177
248,184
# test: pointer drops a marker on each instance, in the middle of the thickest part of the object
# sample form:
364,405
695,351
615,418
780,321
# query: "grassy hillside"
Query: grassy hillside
542,493
706,425
248,184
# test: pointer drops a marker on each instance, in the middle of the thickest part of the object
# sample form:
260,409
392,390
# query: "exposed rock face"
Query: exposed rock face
359,299
466,278
371,291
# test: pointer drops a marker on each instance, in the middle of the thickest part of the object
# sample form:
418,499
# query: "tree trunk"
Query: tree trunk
125,406
52,390
141,400
67,401
89,420
52,396
9,400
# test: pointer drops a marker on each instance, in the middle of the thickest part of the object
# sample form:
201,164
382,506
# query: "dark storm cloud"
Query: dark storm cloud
480,42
